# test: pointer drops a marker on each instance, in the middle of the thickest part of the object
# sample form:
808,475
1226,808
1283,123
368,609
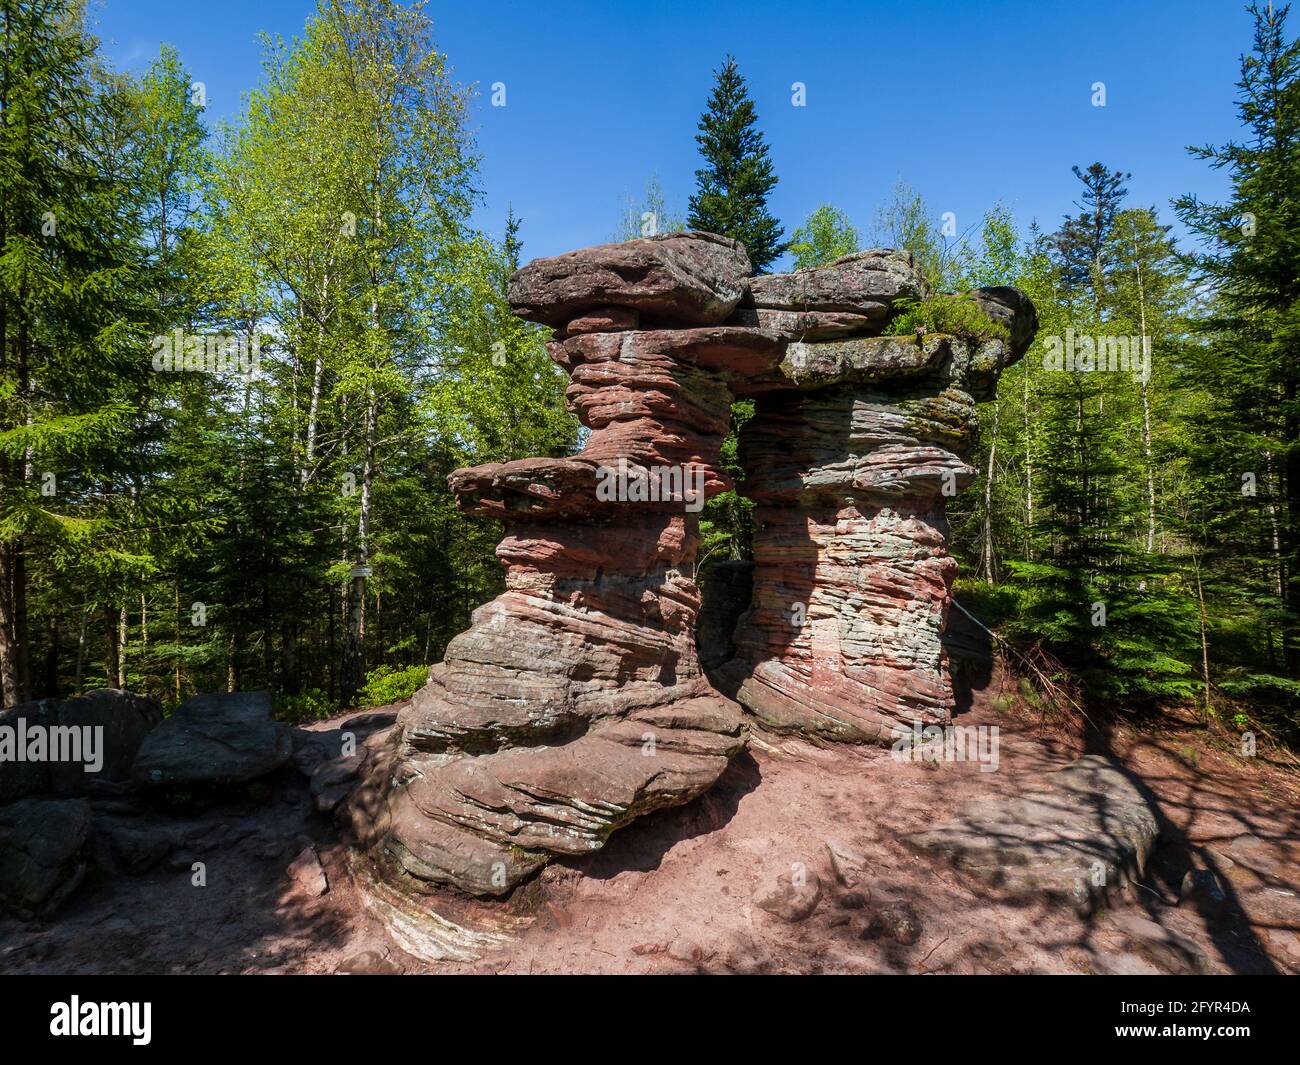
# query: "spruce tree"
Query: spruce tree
1253,264
75,315
1083,242
733,186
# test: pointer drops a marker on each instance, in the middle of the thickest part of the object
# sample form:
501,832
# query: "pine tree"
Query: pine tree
733,185
1083,243
1250,363
75,318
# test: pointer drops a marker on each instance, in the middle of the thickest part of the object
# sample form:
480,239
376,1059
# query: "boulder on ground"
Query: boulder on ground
307,875
792,896
214,740
1072,844
18,776
42,853
894,920
126,719
134,845
73,760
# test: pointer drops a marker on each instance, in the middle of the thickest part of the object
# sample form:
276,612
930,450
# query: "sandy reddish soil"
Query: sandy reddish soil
675,892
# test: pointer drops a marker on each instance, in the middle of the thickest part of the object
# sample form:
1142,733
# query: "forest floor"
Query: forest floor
676,891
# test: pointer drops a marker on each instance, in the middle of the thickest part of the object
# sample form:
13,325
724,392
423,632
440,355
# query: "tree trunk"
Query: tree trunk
8,652
176,656
1291,541
317,376
354,641
22,643
81,650
112,659
1146,404
1029,477
121,647
1205,643
986,562
50,681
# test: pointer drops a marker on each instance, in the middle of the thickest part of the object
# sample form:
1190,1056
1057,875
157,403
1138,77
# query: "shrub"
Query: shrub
388,685
957,316
310,705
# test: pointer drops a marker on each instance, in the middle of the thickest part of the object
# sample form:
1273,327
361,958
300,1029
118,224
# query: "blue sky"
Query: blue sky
970,101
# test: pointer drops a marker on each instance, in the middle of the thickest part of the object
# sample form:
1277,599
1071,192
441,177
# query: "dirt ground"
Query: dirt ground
676,891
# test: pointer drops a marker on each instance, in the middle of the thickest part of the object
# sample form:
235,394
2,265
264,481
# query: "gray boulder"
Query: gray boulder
19,778
1071,843
866,283
126,719
43,847
135,846
214,740
107,724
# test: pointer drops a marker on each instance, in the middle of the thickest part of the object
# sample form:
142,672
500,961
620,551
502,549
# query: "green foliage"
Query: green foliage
309,705
733,185
206,528
956,315
727,524
388,685
826,236
292,527
1245,358
1084,244
907,223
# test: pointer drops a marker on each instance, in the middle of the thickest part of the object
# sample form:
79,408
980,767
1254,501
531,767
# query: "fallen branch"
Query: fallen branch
1054,691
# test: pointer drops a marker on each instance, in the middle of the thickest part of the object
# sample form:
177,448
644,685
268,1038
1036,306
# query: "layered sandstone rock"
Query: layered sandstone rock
850,465
577,701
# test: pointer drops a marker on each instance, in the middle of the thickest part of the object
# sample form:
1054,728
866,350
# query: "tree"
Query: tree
1149,302
1251,332
733,185
651,217
75,316
826,236
340,228
907,223
1083,243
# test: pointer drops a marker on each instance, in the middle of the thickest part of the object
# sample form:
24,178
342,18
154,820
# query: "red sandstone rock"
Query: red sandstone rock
603,320
852,576
683,278
576,700
804,325
866,283
843,638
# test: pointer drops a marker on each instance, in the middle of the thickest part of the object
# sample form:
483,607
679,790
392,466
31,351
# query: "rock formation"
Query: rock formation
850,463
577,701
213,741
121,721
77,777
1084,831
